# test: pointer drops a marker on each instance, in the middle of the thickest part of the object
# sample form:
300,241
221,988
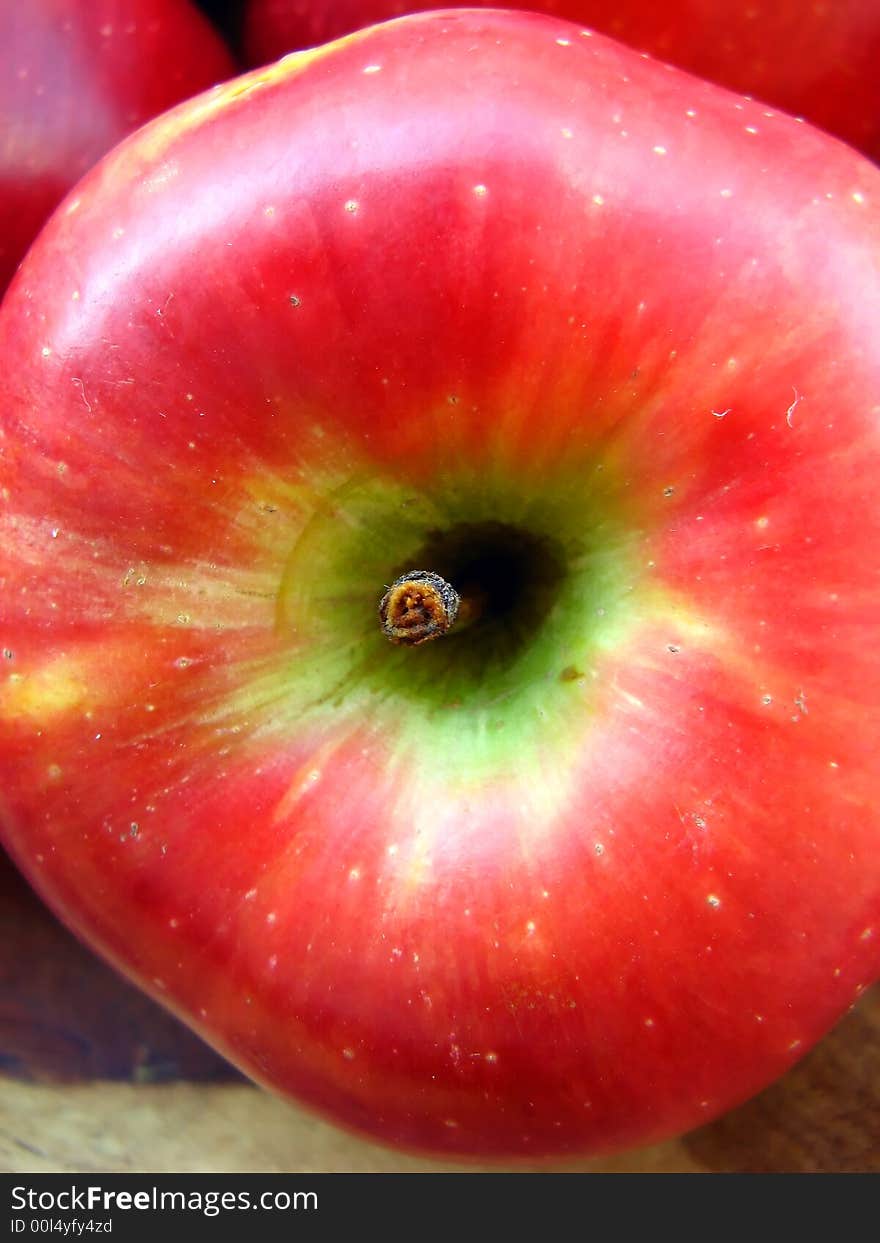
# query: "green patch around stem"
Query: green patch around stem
561,560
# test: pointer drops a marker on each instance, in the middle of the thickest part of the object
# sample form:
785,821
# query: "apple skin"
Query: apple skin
569,881
815,60
76,76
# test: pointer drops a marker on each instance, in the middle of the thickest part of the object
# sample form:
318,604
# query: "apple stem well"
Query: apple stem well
496,571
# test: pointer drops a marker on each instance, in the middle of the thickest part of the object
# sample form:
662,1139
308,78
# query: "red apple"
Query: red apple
488,296
76,76
812,58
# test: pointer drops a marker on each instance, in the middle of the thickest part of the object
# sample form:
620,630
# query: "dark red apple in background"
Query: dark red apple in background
76,76
488,295
813,58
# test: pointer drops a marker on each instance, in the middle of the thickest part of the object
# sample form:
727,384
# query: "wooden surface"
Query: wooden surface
95,1077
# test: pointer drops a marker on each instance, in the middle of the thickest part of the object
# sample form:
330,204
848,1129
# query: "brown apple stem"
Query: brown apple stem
420,606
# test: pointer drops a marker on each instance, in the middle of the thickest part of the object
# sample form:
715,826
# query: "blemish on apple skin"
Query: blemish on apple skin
713,900
791,409
82,391
571,674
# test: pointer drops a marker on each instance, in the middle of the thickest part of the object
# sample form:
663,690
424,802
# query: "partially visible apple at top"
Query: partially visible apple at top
76,76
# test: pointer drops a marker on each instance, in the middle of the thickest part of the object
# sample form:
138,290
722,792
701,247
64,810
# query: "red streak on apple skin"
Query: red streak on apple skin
540,268
396,977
